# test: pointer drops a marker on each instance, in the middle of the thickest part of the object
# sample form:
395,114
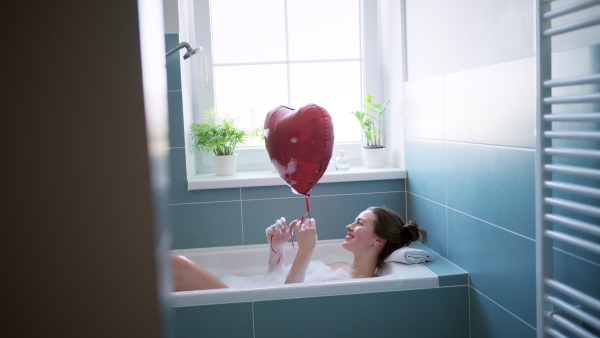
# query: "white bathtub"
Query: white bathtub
251,260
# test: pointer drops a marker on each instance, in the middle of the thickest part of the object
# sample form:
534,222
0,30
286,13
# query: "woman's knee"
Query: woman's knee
179,262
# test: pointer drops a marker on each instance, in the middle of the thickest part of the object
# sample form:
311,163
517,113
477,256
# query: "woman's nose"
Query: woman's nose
348,227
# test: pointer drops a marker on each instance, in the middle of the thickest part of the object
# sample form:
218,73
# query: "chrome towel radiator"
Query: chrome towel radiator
567,178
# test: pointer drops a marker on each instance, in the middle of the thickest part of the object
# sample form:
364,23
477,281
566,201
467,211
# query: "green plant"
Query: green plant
218,134
370,121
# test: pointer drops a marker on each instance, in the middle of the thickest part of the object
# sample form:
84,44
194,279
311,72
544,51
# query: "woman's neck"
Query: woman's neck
363,266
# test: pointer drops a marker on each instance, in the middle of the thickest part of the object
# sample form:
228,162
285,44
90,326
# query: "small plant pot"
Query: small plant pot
374,157
225,165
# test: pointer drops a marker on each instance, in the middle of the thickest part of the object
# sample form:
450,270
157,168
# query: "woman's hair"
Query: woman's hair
389,225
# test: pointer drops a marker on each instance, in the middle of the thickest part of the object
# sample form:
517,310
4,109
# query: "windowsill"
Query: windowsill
269,178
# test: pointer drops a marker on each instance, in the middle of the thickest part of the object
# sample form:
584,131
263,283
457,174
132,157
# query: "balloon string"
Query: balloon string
307,208
307,214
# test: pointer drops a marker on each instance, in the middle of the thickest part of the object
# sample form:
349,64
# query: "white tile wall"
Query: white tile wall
424,108
448,36
492,105
488,105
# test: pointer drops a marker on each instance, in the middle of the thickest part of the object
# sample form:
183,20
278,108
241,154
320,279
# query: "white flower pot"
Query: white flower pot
374,157
225,165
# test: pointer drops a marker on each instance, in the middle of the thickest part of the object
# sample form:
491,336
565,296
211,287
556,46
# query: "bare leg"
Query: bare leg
188,275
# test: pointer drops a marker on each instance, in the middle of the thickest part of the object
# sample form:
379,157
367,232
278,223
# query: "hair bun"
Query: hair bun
412,231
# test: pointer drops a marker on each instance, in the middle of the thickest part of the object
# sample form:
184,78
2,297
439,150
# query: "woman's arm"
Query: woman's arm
278,234
307,240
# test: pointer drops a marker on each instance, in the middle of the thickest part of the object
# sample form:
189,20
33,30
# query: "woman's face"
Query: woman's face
360,236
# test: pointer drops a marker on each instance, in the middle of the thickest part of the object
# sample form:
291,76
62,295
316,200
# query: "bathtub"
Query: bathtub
250,260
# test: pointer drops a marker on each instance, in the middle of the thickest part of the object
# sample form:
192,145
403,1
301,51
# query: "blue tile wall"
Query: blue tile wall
221,217
206,224
430,216
495,184
389,314
568,269
173,63
221,320
176,137
477,203
501,264
441,312
425,168
490,321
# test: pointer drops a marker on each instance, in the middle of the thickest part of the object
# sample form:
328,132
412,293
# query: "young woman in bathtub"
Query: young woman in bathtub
374,235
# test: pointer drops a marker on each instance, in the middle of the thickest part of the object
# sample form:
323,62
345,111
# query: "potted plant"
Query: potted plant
219,135
374,152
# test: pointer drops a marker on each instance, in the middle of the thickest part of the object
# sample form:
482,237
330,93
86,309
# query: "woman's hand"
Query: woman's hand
279,233
306,233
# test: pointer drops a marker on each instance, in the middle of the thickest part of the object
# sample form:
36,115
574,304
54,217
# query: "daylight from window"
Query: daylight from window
288,52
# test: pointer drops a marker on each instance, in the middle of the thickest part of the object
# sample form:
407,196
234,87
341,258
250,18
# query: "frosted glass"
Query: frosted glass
250,92
323,29
334,86
248,31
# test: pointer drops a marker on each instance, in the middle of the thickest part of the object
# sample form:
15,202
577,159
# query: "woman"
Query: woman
374,235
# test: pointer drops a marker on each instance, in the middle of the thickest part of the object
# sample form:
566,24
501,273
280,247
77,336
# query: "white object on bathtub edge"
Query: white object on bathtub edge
408,255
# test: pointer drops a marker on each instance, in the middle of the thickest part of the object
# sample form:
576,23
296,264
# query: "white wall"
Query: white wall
171,16
468,34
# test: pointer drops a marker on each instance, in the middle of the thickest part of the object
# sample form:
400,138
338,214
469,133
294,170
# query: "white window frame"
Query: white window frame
254,168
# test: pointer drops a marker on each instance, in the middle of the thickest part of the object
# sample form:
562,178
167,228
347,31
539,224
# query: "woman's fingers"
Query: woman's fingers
309,223
293,225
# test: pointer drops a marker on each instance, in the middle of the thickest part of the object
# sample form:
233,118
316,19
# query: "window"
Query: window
263,53
290,53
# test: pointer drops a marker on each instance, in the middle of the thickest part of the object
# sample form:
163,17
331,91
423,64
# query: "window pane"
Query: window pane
250,92
248,31
323,29
333,85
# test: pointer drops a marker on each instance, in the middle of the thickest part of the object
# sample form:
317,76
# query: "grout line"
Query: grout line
479,219
406,199
208,202
292,197
446,193
490,223
577,257
503,308
473,143
242,215
469,302
447,260
253,324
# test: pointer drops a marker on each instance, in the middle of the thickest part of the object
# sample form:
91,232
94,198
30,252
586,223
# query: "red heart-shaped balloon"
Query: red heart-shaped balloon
299,143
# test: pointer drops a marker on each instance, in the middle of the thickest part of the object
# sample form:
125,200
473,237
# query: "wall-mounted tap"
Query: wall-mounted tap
190,51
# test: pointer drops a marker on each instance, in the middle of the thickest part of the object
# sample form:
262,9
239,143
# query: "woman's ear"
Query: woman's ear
380,241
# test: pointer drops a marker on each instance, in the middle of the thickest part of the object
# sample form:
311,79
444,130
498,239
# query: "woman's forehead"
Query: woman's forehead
367,215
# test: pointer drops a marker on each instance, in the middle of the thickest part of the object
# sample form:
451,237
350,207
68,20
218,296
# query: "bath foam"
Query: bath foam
287,171
317,271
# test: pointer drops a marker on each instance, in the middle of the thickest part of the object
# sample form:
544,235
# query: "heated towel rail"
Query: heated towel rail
567,178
